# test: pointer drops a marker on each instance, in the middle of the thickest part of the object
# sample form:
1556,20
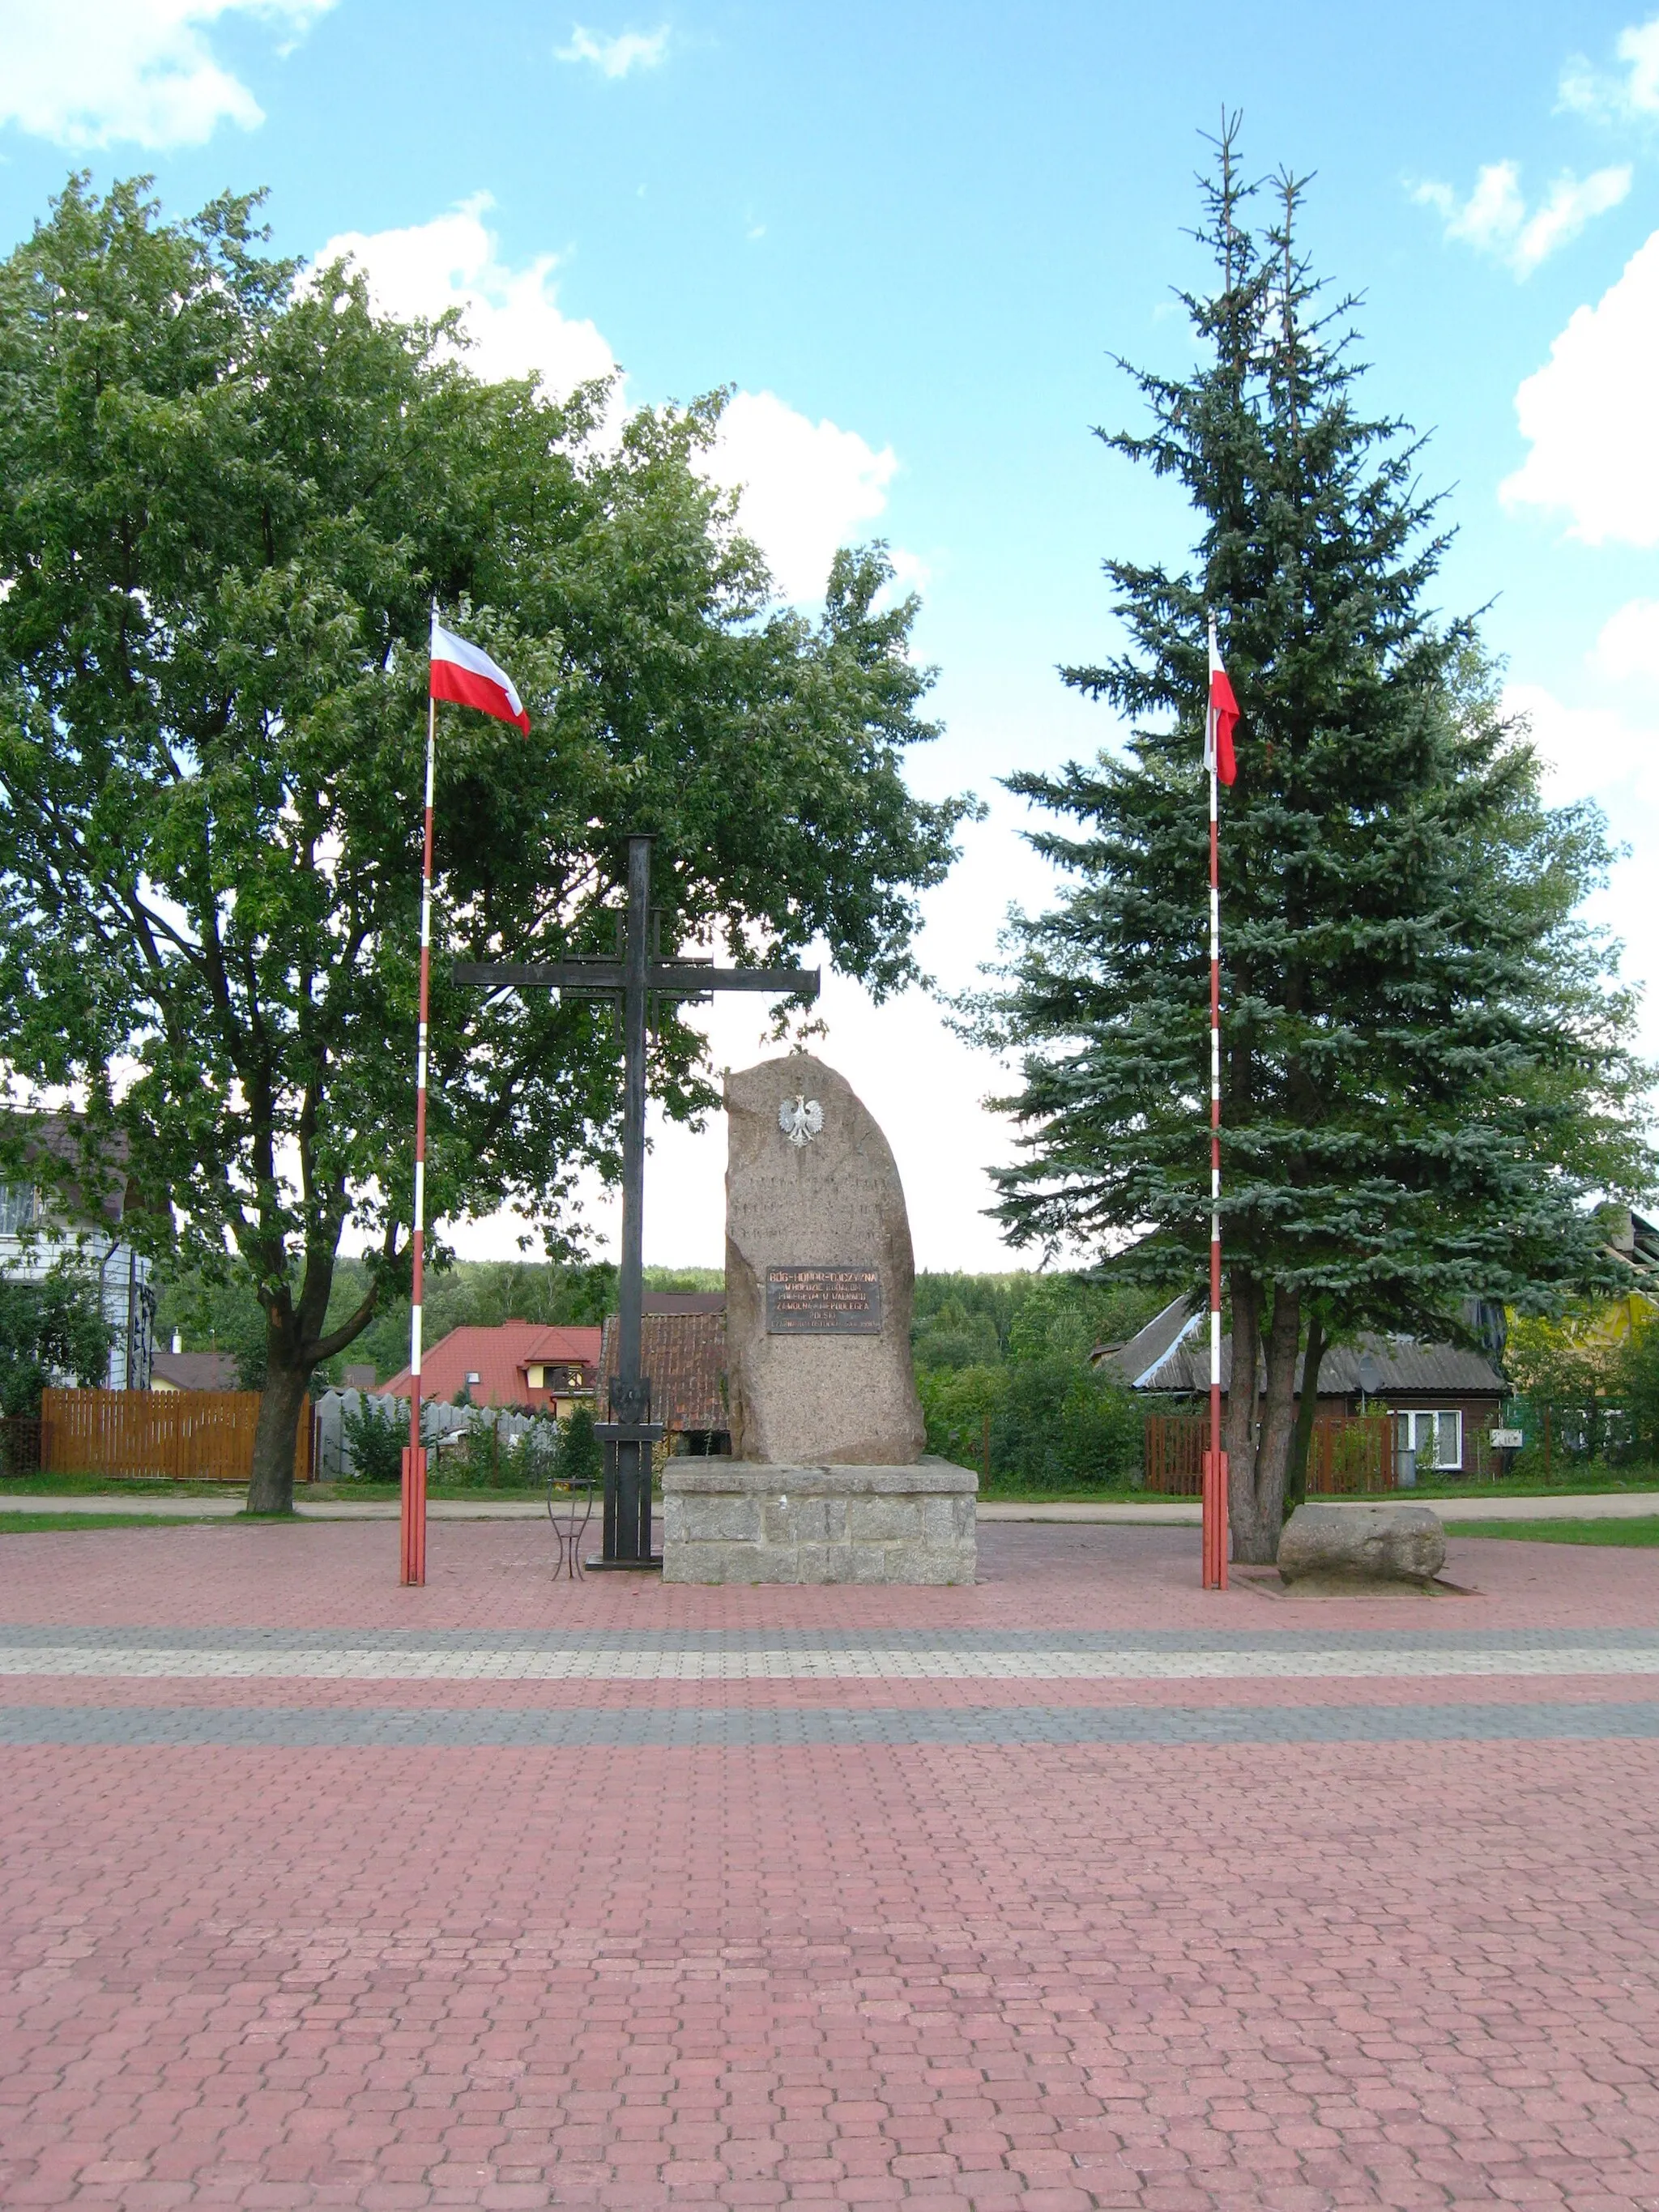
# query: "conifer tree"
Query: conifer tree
1426,1063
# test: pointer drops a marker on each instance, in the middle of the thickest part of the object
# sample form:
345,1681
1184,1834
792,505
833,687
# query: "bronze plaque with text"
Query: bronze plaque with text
823,1302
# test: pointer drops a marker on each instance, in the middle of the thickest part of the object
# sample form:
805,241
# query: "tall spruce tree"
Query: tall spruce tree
1426,1063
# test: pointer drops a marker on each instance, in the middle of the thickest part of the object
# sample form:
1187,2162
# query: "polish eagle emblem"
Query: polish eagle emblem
800,1119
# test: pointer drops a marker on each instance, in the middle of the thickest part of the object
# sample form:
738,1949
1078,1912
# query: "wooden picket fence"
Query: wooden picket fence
184,1436
1348,1456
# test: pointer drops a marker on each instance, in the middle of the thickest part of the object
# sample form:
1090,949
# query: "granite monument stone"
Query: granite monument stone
819,1275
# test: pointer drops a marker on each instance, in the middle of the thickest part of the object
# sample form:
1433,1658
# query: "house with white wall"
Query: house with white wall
42,1229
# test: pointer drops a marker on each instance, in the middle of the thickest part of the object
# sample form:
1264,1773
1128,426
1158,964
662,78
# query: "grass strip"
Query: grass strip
1638,1532
103,1486
37,1524
1002,1493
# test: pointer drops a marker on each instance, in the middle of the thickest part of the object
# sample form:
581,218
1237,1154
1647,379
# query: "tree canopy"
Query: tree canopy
1426,1063
232,491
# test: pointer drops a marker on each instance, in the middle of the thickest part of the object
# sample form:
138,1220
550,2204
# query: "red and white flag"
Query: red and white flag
1220,715
463,673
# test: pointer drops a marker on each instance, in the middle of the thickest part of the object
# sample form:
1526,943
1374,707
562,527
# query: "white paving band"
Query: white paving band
869,1663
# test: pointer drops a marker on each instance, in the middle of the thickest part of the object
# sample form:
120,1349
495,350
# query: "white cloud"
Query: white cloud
1589,415
1494,218
1610,754
1633,91
512,316
1587,751
615,58
807,487
910,572
86,73
1627,651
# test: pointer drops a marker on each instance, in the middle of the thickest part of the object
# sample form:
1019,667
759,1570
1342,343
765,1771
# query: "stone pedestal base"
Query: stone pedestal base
733,1521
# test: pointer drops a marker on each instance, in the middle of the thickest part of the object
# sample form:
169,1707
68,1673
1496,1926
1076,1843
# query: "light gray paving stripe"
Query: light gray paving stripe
874,1664
33,1635
748,1729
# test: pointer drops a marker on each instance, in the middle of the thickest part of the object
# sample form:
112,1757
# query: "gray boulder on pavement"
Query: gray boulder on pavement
1363,1543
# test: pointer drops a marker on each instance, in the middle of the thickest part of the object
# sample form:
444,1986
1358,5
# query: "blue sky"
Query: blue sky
912,236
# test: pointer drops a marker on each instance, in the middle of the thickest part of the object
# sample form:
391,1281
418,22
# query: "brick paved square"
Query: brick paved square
1074,1889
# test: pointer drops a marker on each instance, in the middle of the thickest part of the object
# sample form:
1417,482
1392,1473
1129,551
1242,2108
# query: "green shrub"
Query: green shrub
1638,1377
1055,1422
579,1458
955,1402
50,1329
1063,1422
373,1439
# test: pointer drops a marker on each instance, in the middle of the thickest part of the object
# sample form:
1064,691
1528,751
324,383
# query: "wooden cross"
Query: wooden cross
635,978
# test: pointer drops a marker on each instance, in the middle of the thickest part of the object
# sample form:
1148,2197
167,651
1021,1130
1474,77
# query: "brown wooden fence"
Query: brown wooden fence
1174,1449
185,1436
1347,1454
1350,1453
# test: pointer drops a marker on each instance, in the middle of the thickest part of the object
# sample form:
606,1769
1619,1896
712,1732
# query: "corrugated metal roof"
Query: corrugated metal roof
1149,1346
1402,1365
1408,1366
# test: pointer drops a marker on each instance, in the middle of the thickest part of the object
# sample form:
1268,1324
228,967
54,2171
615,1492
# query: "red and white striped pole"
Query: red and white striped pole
412,1516
1215,1460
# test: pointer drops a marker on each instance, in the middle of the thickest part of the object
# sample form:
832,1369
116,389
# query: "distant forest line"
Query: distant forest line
961,1320
1002,1361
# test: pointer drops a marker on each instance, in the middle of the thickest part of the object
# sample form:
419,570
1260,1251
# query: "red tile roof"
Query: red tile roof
499,1357
684,1355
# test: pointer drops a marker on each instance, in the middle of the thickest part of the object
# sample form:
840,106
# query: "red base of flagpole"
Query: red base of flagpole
412,1519
1216,1546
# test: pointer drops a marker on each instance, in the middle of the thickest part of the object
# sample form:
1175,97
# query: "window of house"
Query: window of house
20,1207
1437,1438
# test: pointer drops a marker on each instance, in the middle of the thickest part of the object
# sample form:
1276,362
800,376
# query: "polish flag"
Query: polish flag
461,672
1219,718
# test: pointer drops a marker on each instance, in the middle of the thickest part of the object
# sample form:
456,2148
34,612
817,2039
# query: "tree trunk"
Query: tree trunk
1278,1418
1257,1452
285,1396
296,1345
1295,1476
1238,1425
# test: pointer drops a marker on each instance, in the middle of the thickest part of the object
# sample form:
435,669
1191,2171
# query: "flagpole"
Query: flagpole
1215,1464
412,1516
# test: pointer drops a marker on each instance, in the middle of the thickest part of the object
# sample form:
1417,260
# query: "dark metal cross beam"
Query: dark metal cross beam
635,978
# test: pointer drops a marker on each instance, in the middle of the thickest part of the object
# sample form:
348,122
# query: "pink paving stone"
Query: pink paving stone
961,1977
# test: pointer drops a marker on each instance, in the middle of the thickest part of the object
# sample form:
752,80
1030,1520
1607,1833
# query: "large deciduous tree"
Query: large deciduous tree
1425,1067
228,494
